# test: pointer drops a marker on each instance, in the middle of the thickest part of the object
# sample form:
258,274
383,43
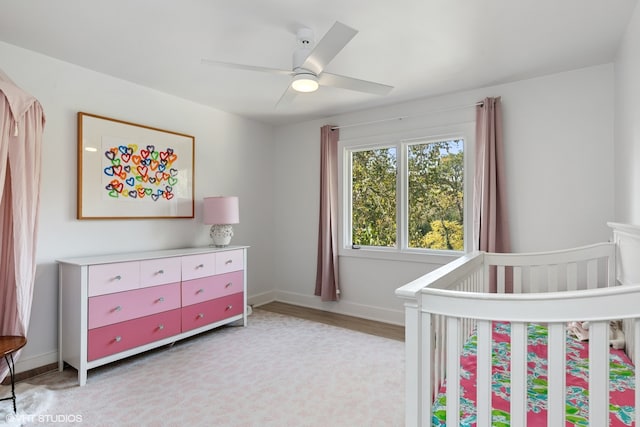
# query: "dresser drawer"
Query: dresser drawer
160,271
116,277
206,288
123,336
229,261
195,266
114,308
197,315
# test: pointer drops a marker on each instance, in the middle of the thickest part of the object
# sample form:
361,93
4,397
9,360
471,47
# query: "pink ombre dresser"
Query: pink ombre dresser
118,305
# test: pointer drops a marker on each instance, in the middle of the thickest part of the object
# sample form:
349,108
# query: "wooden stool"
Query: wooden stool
9,345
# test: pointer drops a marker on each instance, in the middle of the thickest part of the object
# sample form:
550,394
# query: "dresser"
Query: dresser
114,306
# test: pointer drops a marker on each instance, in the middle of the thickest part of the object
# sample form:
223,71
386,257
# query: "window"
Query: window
373,197
406,196
435,175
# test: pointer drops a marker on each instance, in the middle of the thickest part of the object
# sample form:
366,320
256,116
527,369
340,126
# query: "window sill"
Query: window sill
431,257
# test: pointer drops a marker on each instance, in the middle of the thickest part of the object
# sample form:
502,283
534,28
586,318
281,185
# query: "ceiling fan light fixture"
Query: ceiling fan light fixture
304,82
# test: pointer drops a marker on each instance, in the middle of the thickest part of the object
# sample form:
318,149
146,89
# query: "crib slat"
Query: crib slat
636,363
486,279
592,274
453,372
441,363
484,373
518,374
599,373
517,280
500,279
434,356
427,352
556,375
552,278
572,276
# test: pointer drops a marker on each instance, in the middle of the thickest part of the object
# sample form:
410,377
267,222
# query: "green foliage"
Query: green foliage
374,197
436,189
445,235
435,185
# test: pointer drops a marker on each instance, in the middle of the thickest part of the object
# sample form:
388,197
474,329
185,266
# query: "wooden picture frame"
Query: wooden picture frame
132,171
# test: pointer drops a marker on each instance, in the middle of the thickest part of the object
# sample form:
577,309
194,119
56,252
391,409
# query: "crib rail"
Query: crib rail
599,306
444,306
587,267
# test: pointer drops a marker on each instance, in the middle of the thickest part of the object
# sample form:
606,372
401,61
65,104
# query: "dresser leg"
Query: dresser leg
82,377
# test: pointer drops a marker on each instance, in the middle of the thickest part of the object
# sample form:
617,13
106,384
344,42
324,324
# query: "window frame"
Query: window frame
401,141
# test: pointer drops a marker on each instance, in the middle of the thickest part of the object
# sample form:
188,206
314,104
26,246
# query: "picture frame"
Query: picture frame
131,171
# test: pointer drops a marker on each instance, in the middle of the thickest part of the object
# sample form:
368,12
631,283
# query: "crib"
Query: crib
457,334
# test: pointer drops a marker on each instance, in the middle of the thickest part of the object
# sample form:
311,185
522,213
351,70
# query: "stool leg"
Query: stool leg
9,359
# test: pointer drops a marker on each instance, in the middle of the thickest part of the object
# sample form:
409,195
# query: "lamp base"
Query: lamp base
221,235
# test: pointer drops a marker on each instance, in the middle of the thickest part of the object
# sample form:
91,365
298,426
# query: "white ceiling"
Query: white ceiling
421,47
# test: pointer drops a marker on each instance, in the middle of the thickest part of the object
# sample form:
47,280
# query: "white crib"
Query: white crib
596,283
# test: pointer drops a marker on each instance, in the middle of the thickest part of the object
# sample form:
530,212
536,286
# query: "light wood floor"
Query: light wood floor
372,327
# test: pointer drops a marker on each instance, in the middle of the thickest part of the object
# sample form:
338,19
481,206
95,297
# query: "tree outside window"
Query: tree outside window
434,195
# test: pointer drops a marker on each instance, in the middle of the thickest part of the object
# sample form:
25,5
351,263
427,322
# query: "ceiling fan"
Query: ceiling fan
309,62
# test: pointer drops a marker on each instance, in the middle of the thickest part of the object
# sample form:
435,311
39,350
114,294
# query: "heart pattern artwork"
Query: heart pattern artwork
140,172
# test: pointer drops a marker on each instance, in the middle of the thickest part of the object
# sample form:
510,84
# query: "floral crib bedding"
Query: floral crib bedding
621,393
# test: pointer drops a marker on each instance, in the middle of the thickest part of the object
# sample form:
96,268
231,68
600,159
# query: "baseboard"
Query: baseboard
261,299
394,317
25,364
28,367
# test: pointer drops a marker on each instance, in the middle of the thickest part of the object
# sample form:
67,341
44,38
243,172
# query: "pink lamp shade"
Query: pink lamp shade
221,210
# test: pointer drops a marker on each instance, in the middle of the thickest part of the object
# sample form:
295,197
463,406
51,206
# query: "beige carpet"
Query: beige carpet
279,371
32,401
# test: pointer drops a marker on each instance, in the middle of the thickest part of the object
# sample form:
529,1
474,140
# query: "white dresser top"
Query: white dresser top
135,256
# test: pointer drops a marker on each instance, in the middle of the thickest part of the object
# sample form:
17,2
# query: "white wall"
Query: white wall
233,157
627,126
558,133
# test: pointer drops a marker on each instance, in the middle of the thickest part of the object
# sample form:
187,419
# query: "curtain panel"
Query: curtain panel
490,219
327,287
21,127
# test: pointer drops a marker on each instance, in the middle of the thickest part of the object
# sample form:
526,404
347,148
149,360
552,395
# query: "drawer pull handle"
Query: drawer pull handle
160,272
228,285
118,338
229,307
118,277
160,327
118,308
161,299
200,315
200,291
199,266
229,261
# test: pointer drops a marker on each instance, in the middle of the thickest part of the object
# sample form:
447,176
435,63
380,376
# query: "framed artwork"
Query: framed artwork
131,171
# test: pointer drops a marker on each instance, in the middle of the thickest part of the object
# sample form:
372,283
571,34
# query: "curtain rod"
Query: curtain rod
459,107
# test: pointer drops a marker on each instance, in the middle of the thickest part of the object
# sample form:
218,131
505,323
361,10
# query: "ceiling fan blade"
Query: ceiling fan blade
287,97
328,47
246,67
335,80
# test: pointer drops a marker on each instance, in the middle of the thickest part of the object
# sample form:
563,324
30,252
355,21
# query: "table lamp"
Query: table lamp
220,212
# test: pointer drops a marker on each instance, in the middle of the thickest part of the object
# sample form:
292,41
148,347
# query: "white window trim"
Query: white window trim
465,131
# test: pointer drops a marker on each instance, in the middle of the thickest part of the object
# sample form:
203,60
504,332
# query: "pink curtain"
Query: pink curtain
327,269
21,126
490,220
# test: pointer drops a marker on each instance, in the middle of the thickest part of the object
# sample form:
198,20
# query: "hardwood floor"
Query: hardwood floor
372,327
